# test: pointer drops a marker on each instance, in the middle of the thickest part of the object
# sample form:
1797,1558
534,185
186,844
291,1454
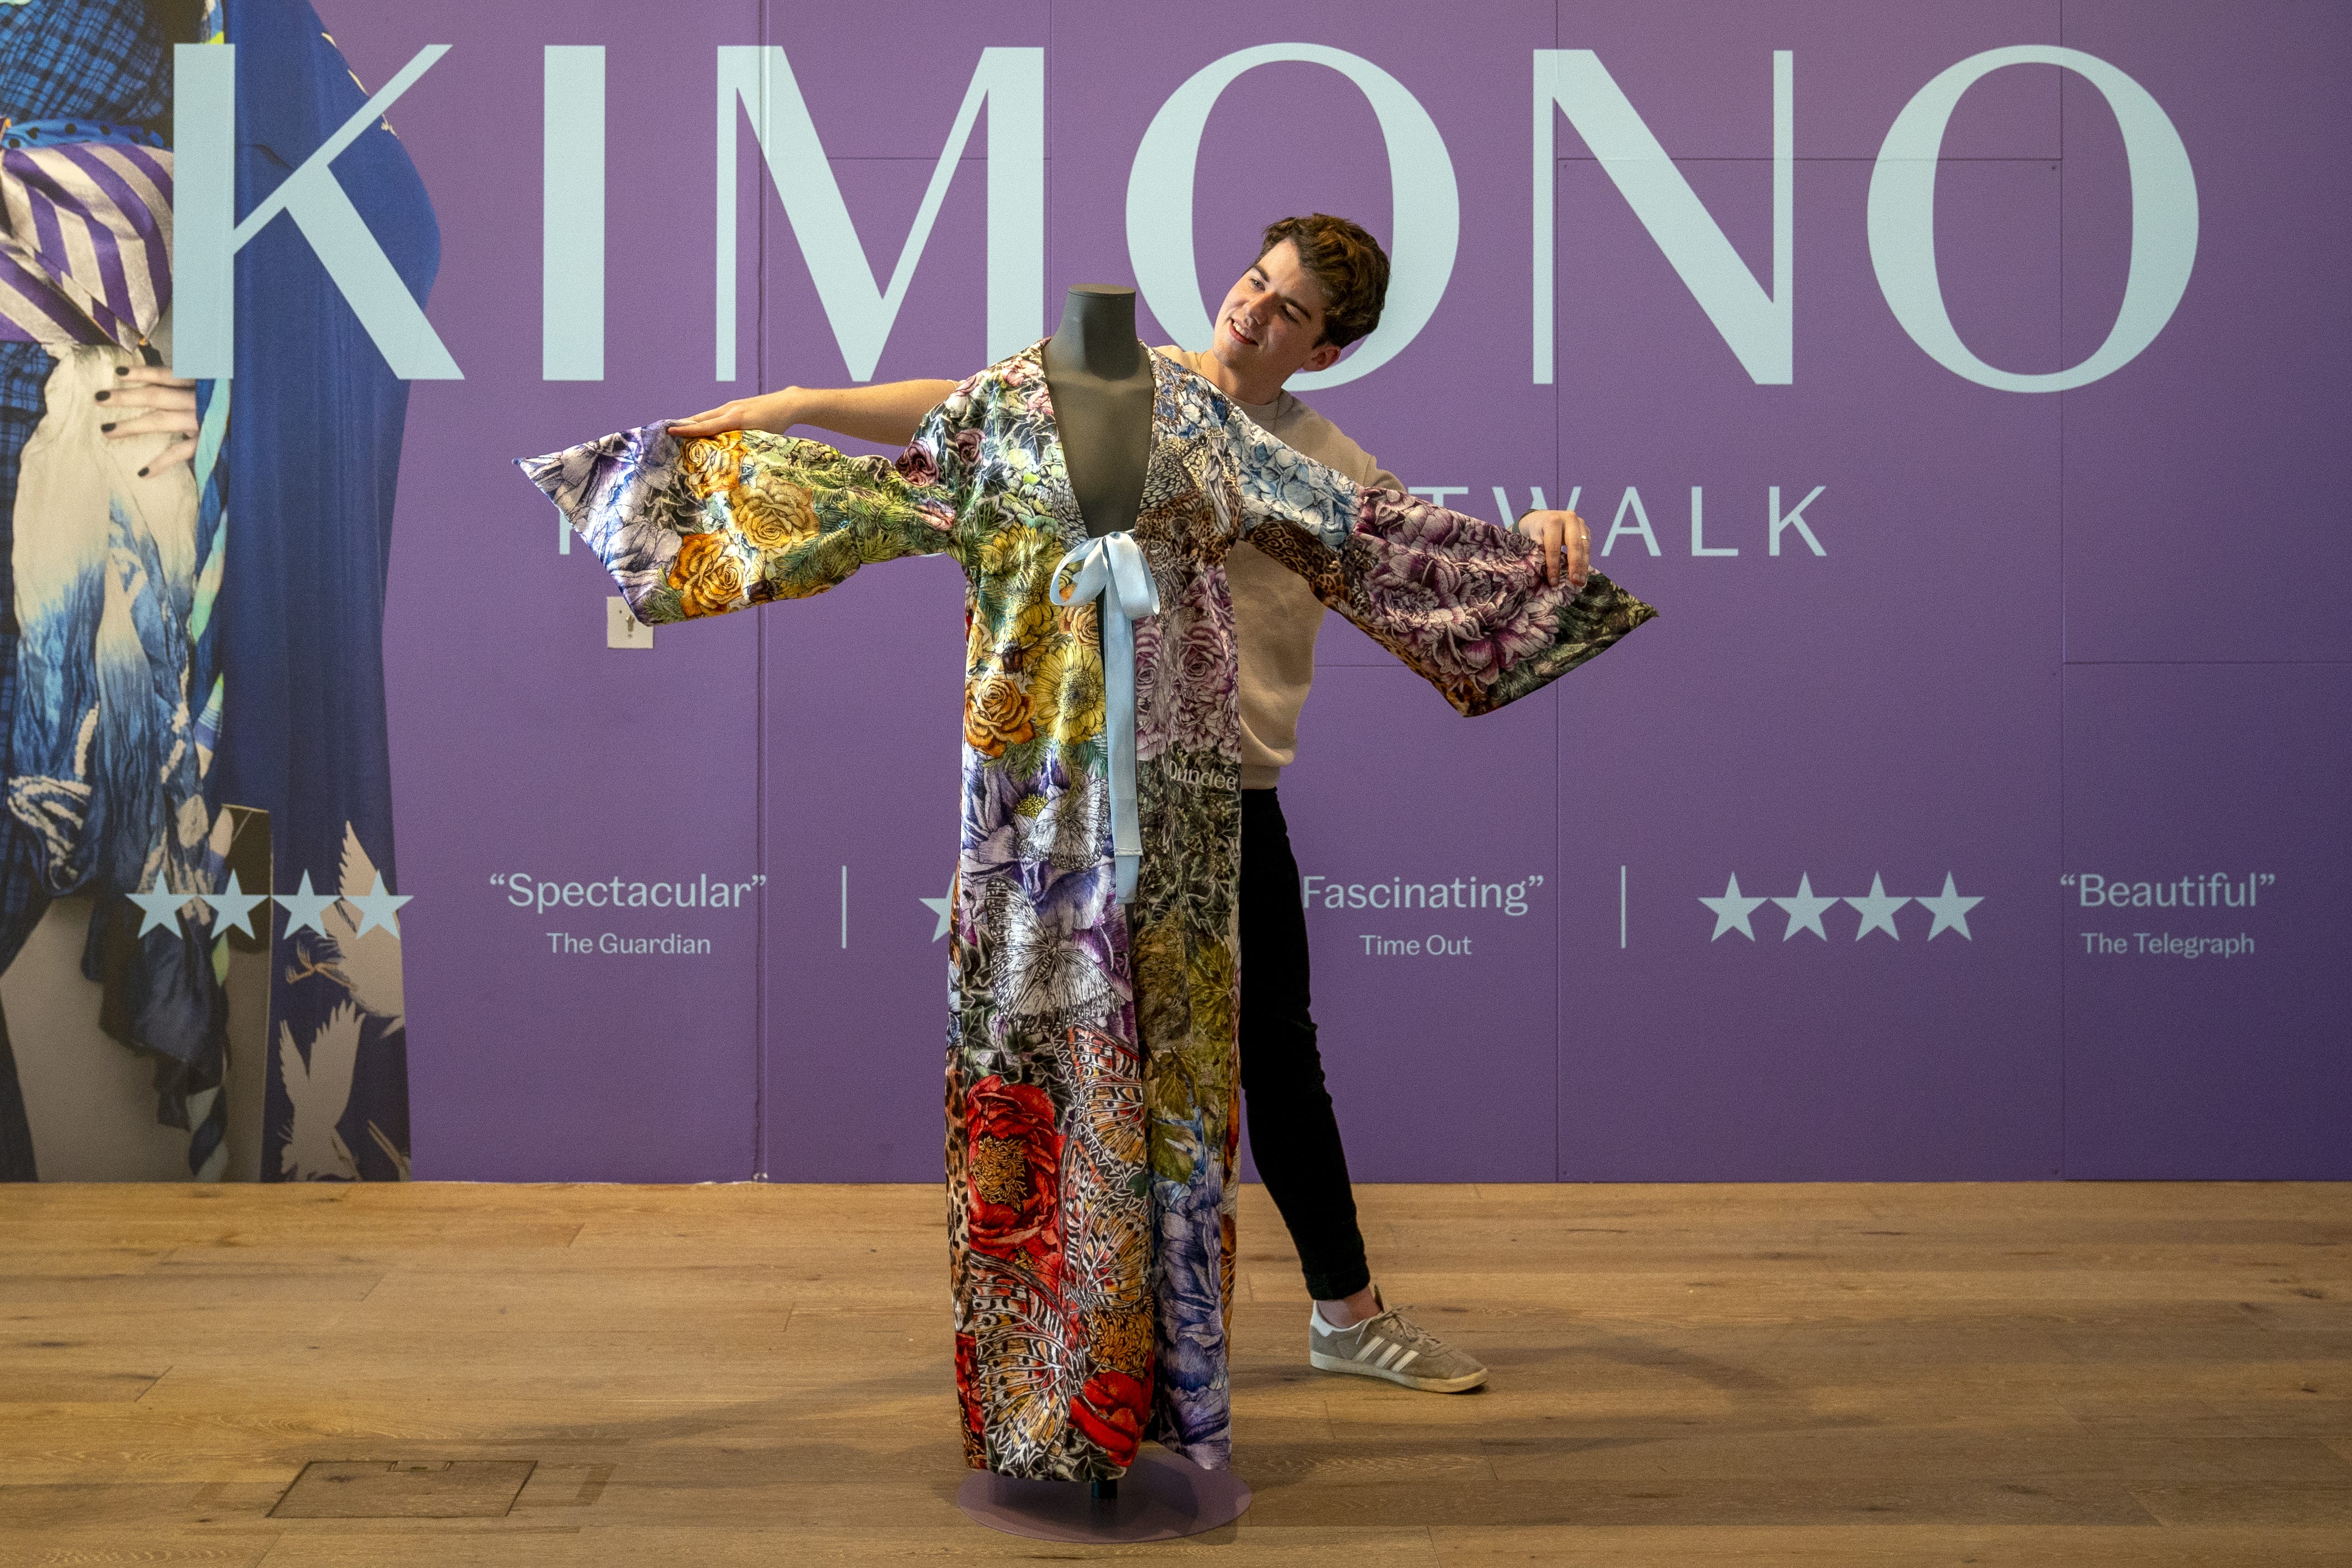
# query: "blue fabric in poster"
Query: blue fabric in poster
314,438
72,66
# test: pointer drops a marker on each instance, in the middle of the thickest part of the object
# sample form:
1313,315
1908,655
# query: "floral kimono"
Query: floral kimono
1092,1082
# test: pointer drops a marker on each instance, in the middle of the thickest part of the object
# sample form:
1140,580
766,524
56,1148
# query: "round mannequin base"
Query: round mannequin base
1161,1497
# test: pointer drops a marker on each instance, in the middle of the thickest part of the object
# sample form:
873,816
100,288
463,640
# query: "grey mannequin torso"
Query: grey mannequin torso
1099,375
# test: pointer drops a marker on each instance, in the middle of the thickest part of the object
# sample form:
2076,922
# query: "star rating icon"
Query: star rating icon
1805,911
235,907
1950,910
305,908
941,908
160,905
1804,908
1878,909
1732,910
378,907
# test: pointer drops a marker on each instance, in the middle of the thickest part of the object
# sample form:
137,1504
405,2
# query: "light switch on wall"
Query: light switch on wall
623,629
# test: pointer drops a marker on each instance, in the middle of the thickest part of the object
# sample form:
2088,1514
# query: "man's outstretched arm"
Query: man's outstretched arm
888,413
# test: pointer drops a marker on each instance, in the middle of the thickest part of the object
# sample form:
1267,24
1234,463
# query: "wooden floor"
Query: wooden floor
1805,1376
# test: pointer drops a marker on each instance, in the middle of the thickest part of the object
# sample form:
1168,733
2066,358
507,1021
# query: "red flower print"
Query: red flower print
1012,1165
1110,1409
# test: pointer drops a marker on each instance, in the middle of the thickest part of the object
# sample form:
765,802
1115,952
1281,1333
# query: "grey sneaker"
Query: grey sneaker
1393,1346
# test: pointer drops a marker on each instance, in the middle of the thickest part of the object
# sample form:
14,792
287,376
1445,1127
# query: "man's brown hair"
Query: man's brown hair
1346,263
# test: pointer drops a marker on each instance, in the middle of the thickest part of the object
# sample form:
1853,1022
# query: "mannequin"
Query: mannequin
1099,375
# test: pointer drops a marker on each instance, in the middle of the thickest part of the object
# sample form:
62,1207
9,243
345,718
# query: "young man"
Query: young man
1317,286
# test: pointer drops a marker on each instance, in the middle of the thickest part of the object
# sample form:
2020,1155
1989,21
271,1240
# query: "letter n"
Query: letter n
1758,327
206,236
1011,82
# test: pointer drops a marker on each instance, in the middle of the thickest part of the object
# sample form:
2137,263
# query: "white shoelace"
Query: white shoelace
1405,1331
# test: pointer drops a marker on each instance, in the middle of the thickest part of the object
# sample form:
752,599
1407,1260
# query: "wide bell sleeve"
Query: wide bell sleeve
718,524
1460,601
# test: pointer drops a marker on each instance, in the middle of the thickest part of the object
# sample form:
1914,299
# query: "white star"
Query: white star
1804,909
1731,910
940,908
378,907
1950,910
1877,910
160,903
305,908
234,907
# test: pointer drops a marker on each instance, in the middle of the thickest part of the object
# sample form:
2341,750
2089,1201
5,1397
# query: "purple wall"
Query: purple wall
2096,634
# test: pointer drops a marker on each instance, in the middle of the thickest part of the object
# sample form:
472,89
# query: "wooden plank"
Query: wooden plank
37,1384
52,1549
1687,1500
937,1533
1889,1546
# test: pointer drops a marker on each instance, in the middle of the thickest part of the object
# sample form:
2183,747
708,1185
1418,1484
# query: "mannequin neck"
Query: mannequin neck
1097,337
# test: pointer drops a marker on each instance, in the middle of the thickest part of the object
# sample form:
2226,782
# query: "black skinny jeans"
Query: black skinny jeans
1293,1136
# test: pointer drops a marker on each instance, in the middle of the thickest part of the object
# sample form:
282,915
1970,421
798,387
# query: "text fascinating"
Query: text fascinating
524,891
1507,898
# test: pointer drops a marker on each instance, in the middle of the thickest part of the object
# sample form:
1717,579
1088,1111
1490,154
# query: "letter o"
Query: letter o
1426,206
1903,219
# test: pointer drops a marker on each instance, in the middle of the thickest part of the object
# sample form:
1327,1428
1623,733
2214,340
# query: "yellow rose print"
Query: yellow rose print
710,576
710,464
996,714
774,513
1083,622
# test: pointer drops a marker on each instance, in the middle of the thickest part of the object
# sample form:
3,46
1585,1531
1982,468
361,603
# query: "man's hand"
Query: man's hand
775,412
1567,544
148,400
887,413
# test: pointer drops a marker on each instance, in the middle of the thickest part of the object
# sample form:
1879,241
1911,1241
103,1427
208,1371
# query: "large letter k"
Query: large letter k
206,236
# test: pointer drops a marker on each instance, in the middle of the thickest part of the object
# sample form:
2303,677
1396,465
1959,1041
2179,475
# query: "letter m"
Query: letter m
1011,82
206,236
1758,327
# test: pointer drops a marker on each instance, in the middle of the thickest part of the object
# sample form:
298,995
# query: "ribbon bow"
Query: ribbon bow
1112,568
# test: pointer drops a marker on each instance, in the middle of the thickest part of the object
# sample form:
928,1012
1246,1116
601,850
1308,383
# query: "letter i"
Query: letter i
571,215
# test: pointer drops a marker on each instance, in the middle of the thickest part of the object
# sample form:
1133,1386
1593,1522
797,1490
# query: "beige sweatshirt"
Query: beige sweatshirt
1276,615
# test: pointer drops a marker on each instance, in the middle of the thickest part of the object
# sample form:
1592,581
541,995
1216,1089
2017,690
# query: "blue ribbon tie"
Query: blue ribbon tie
1112,568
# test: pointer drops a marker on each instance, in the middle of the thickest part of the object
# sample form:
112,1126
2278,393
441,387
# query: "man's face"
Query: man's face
1271,324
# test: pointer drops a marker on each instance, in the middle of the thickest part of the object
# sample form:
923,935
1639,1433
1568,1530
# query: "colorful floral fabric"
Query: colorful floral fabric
1092,1087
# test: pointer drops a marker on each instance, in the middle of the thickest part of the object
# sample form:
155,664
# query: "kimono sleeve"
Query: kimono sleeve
1460,601
703,527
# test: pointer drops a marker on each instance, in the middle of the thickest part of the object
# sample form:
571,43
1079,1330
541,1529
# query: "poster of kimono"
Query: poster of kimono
200,959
